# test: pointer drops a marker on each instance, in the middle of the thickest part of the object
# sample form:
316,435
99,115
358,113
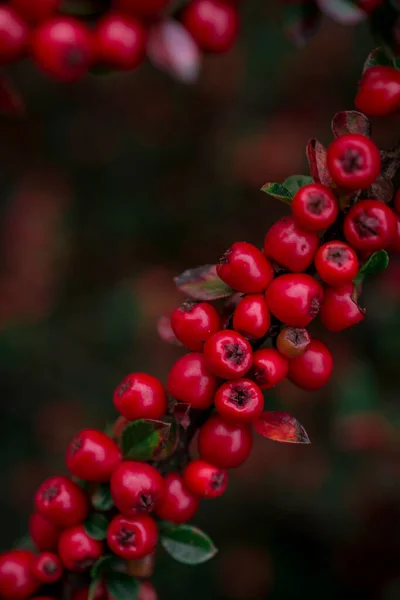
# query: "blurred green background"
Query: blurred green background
112,186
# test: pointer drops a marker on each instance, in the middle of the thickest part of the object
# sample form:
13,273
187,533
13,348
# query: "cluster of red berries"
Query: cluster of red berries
66,47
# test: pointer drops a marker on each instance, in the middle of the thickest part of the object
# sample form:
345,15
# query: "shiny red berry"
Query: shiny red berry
315,207
245,268
336,263
14,35
269,368
190,381
44,533
37,11
239,401
204,479
77,550
290,246
194,322
47,567
251,316
93,456
370,225
147,591
295,299
292,342
354,161
61,501
394,246
379,92
178,504
120,41
225,445
136,487
340,309
142,8
140,396
17,581
214,25
228,354
313,369
132,538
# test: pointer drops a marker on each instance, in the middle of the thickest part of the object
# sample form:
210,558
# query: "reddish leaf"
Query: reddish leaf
381,189
11,102
181,412
202,283
342,11
316,154
350,121
170,445
281,427
165,331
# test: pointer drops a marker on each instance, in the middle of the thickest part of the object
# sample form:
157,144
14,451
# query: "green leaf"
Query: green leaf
350,121
202,283
122,586
144,439
295,182
380,58
106,564
101,499
24,543
300,22
187,544
278,191
96,526
377,262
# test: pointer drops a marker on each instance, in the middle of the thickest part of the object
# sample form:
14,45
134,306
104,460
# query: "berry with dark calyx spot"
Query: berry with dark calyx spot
14,35
141,8
379,92
228,354
132,537
37,11
17,581
370,225
395,243
62,501
213,24
245,269
136,487
354,161
313,369
178,504
295,299
251,317
140,396
147,591
194,322
190,381
47,567
77,550
290,246
93,456
204,479
240,400
292,342
120,41
336,263
44,533
269,368
340,309
223,444
315,207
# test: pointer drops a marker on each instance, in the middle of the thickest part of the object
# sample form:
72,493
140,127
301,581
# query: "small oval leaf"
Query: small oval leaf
187,544
377,262
278,191
203,283
316,155
350,121
281,427
144,439
122,586
96,526
295,182
379,58
101,498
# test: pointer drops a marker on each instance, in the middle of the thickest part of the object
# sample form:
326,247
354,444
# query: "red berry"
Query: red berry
295,299
136,487
37,11
93,456
340,309
379,92
245,268
190,381
223,444
336,263
132,538
61,501
291,247
140,396
292,342
142,8
63,47
13,35
17,581
251,317
120,41
204,479
147,591
269,368
315,207
194,322
77,550
214,25
395,243
178,504
239,401
313,369
370,225
44,533
228,354
354,161
47,567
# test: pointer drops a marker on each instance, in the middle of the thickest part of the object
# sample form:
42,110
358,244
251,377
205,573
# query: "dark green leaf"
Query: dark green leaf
300,22
187,544
101,499
145,439
316,155
24,543
342,11
104,565
202,283
96,526
295,182
380,58
377,262
122,586
350,121
278,191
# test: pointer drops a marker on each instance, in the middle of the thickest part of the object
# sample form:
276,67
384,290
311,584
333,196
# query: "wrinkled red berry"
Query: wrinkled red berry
239,401
136,487
178,504
120,41
379,92
315,207
214,25
245,268
13,35
354,161
292,342
290,246
61,501
140,396
93,456
313,369
370,225
251,316
194,322
44,533
269,368
295,299
132,538
336,263
228,354
47,567
17,581
35,11
223,444
204,479
77,550
340,309
190,381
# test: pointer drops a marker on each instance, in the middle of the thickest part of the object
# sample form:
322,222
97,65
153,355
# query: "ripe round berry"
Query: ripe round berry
47,567
292,342
290,246
251,317
239,401
395,243
178,504
315,207
93,456
44,533
61,501
17,581
142,8
132,538
147,591
140,396
370,225
120,41
379,92
245,268
190,381
77,550
295,299
269,368
313,369
35,12
194,322
63,47
204,479
214,25
136,488
228,354
336,263
223,444
13,35
353,161
340,309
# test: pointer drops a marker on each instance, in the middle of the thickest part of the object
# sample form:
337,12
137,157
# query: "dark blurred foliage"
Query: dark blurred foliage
112,186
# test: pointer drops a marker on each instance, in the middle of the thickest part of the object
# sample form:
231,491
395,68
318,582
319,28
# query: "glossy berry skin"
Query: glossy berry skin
251,317
132,538
239,401
204,479
370,225
37,11
290,246
194,322
313,369
353,161
245,268
14,35
77,550
214,25
136,488
292,342
140,396
340,311
17,581
269,368
336,263
228,354
93,456
61,501
295,299
63,48
147,591
44,533
225,445
395,243
178,504
379,92
190,381
141,8
314,207
47,567
120,41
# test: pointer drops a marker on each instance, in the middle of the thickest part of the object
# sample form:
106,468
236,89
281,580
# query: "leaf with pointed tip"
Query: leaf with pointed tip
381,189
165,331
122,586
278,191
380,58
316,155
171,443
377,262
281,427
203,283
144,439
181,412
96,526
187,544
342,11
101,498
300,22
350,121
295,182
